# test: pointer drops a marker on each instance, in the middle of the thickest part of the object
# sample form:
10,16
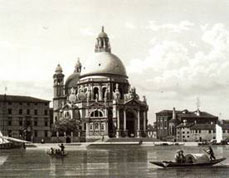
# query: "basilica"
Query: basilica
98,98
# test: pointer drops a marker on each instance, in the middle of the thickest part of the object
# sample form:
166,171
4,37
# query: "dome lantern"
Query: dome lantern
58,69
102,42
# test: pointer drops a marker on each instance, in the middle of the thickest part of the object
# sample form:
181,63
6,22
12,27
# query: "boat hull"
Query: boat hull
57,155
166,164
10,145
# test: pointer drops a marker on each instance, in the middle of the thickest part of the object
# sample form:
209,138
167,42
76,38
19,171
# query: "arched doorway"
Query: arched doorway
131,123
68,139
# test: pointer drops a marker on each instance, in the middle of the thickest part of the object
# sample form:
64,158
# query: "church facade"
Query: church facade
99,98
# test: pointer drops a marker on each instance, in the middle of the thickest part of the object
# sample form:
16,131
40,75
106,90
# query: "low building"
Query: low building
168,120
203,132
25,117
183,132
151,130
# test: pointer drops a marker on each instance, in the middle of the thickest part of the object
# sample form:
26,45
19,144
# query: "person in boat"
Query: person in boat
211,153
62,147
179,157
52,151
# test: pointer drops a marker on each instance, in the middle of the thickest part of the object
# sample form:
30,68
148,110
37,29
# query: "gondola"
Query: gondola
166,164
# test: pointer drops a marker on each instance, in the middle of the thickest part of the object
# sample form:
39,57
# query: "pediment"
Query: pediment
133,102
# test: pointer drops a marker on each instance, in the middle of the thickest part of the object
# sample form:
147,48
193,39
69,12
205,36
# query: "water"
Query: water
122,161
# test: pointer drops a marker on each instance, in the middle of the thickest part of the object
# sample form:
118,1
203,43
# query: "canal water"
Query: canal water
109,162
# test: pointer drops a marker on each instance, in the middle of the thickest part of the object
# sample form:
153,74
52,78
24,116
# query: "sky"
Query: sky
174,51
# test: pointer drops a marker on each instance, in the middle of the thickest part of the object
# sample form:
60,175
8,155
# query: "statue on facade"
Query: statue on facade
144,99
81,95
72,96
116,93
96,97
131,94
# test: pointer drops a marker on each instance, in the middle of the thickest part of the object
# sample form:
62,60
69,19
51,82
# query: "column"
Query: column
144,122
72,137
124,122
100,93
118,125
87,130
138,131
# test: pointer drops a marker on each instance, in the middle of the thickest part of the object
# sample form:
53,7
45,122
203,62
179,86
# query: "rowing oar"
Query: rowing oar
208,154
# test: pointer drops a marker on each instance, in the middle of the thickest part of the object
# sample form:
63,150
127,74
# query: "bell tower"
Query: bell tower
58,99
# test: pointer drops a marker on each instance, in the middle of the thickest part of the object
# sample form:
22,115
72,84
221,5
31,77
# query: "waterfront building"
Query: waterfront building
99,98
200,132
167,121
25,117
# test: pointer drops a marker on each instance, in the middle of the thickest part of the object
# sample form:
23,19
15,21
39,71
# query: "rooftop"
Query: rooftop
203,127
18,98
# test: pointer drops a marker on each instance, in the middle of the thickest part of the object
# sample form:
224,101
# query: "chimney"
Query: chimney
198,112
174,113
185,122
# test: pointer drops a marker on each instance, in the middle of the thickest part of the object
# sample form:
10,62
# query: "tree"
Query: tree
67,125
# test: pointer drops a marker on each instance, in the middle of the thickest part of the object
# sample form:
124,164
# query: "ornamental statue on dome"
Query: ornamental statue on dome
78,66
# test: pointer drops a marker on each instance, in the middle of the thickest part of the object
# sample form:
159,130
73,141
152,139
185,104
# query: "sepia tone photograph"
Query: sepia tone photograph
114,88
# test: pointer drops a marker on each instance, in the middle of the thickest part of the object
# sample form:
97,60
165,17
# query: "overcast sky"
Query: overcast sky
174,50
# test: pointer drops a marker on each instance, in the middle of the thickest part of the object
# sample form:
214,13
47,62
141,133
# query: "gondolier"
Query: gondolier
62,147
211,153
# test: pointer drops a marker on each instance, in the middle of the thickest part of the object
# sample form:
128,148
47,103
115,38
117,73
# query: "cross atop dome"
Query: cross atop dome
102,42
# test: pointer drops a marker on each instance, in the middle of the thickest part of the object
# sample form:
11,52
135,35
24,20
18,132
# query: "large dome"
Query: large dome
104,63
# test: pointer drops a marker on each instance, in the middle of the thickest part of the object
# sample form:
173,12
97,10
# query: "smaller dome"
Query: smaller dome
58,69
72,80
102,34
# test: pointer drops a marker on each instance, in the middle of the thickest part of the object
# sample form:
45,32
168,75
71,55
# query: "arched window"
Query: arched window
95,93
97,113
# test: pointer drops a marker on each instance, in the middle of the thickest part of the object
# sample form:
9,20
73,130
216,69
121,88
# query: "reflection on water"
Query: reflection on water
132,161
3,159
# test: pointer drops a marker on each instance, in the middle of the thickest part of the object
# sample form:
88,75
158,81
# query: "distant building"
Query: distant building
200,132
167,121
25,117
99,98
151,130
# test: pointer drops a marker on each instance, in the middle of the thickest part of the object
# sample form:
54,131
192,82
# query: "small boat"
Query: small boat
167,143
166,164
57,154
10,142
